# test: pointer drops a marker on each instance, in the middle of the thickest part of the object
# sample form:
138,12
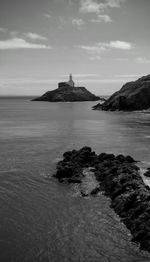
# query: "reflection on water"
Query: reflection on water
45,221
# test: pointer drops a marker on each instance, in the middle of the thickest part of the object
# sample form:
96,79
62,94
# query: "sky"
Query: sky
103,43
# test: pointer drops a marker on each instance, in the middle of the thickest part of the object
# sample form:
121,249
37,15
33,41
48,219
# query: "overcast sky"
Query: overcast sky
103,43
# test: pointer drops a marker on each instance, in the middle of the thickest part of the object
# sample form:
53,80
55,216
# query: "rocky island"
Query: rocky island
118,178
132,96
68,92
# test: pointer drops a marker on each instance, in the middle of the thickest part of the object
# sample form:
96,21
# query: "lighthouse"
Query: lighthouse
71,82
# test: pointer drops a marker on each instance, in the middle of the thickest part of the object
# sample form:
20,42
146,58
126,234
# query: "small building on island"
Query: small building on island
71,82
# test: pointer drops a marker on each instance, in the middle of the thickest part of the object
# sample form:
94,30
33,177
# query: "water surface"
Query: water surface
41,220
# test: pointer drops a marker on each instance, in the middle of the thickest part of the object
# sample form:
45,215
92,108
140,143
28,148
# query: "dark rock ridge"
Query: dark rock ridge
67,93
132,96
147,173
119,178
97,106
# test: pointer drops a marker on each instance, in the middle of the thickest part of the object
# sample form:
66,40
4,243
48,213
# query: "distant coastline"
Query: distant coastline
15,96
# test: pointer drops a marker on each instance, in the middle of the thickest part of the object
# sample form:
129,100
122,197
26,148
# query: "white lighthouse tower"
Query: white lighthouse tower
71,82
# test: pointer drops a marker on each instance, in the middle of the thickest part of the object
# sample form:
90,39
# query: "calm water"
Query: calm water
41,220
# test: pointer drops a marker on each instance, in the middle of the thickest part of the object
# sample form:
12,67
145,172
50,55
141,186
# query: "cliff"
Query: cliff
67,93
132,96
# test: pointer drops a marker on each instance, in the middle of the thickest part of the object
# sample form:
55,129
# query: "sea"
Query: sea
42,220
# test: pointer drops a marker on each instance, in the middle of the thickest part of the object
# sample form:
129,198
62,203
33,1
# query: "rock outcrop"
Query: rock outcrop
97,106
132,96
67,93
119,179
147,173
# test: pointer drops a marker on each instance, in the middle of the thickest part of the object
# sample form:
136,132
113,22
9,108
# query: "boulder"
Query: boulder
147,173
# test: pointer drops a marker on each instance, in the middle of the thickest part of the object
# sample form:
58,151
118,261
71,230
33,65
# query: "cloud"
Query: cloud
85,75
102,47
19,43
96,57
3,30
18,81
62,21
92,6
120,59
14,34
114,3
81,75
143,60
78,22
89,6
34,36
103,81
93,49
120,45
47,15
127,76
102,18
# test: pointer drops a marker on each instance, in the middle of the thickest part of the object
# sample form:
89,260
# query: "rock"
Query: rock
99,105
121,158
147,173
102,99
104,156
95,191
119,179
132,96
67,93
130,159
74,180
89,183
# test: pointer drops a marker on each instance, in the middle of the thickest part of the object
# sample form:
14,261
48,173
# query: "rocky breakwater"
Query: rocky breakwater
132,96
118,177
